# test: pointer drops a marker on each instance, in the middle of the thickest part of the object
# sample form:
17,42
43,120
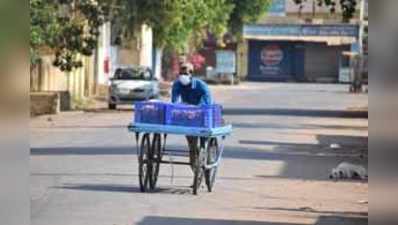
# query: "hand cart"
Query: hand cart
151,146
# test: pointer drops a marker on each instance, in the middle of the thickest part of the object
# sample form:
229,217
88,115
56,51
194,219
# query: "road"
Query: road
274,171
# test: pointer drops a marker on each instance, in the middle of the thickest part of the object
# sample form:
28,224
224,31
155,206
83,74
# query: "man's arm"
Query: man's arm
206,97
175,92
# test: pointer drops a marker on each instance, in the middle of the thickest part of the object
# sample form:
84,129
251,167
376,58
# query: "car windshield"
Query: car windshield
132,74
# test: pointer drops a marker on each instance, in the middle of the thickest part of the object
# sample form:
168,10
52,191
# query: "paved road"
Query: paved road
274,171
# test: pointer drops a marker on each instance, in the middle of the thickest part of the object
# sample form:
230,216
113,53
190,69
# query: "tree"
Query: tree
174,22
246,11
348,7
69,28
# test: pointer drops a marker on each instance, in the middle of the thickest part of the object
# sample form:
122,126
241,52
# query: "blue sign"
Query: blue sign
226,61
277,8
344,30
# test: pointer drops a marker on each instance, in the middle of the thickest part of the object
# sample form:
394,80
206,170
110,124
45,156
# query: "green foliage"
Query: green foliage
347,6
43,26
246,11
67,27
174,22
71,27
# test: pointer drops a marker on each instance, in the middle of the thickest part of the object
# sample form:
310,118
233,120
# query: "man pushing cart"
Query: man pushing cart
197,118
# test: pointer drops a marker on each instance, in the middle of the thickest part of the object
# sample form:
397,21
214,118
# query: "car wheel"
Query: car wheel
111,106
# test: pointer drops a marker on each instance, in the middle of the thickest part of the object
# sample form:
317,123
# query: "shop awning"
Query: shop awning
328,40
338,34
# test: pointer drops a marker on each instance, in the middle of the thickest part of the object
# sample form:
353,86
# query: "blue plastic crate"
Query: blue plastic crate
150,112
217,116
194,116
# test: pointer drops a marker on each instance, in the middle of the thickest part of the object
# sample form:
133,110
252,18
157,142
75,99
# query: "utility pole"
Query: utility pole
361,26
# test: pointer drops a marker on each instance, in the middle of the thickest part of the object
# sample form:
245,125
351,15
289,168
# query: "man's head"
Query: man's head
186,70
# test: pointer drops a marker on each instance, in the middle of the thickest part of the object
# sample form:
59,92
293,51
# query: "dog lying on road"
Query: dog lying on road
348,171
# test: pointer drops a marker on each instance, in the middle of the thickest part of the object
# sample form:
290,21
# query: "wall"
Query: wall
242,59
79,83
128,54
104,54
137,51
44,103
146,46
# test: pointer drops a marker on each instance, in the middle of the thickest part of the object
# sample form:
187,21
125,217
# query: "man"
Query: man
192,91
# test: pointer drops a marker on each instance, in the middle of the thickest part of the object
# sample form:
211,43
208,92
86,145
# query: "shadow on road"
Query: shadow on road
310,210
158,220
125,150
300,161
101,188
178,190
260,125
305,165
322,220
341,220
324,141
296,112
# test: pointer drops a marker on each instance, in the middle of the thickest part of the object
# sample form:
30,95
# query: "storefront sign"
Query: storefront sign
301,30
273,61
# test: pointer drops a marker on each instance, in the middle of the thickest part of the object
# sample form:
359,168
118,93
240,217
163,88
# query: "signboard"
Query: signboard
346,30
344,74
226,62
355,47
270,60
277,8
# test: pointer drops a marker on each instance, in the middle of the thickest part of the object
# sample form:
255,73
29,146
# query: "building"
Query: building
296,44
139,50
53,90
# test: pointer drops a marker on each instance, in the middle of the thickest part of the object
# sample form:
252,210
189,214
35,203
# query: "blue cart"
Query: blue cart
151,146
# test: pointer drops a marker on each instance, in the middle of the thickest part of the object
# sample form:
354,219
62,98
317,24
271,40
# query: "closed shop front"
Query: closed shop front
322,61
291,52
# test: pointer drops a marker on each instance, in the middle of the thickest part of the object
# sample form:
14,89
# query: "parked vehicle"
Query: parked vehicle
131,83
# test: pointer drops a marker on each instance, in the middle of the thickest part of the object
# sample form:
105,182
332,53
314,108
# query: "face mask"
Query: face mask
185,79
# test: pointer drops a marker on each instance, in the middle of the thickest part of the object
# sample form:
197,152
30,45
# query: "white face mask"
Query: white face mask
185,79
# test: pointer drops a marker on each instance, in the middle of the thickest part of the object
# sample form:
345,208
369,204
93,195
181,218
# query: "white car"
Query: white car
132,83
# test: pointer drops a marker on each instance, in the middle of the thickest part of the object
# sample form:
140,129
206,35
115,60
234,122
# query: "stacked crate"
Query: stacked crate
206,116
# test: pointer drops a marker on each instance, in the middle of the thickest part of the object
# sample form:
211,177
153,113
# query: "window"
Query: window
133,74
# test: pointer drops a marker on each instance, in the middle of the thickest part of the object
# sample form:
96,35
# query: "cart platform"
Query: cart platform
180,130
204,158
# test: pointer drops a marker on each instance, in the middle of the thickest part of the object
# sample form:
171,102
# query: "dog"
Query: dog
348,171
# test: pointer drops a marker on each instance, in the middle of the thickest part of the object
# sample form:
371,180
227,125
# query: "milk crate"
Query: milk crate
208,116
150,112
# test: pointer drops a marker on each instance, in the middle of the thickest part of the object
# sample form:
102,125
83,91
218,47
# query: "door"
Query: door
322,61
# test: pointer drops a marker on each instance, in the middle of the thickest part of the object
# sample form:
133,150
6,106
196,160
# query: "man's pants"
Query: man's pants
193,149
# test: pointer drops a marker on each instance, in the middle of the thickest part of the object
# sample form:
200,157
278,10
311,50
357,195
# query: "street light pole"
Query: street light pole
361,26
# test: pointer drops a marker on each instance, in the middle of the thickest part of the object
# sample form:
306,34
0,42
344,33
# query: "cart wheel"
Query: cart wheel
144,163
212,155
156,158
200,158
